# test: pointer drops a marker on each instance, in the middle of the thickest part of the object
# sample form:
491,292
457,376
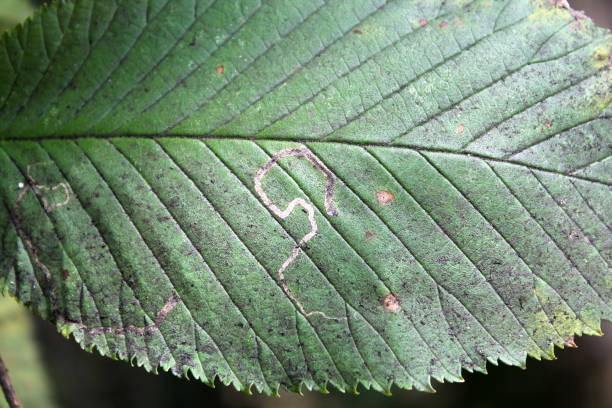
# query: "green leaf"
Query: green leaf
450,162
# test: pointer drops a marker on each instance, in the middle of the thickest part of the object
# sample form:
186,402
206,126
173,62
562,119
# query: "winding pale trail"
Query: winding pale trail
329,208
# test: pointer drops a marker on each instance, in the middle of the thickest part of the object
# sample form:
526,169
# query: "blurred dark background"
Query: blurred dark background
580,378
600,11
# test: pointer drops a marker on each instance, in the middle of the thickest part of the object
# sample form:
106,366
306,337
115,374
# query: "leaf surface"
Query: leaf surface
309,193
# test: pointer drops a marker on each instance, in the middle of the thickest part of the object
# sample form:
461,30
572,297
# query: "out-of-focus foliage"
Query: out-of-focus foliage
13,12
21,356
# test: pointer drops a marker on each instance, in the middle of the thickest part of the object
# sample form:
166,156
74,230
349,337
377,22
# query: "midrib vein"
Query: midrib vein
416,148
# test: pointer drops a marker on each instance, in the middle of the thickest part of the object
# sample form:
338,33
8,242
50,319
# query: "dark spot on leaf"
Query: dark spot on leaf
442,24
384,197
220,69
423,22
357,31
460,129
65,273
369,235
391,303
548,124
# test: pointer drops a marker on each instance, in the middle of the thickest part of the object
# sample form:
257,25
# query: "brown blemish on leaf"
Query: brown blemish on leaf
65,273
384,197
573,235
369,235
357,31
459,21
460,129
570,342
220,69
390,303
548,125
443,24
423,22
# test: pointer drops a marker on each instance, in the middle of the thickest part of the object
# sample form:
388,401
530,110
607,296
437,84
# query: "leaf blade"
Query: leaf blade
473,221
